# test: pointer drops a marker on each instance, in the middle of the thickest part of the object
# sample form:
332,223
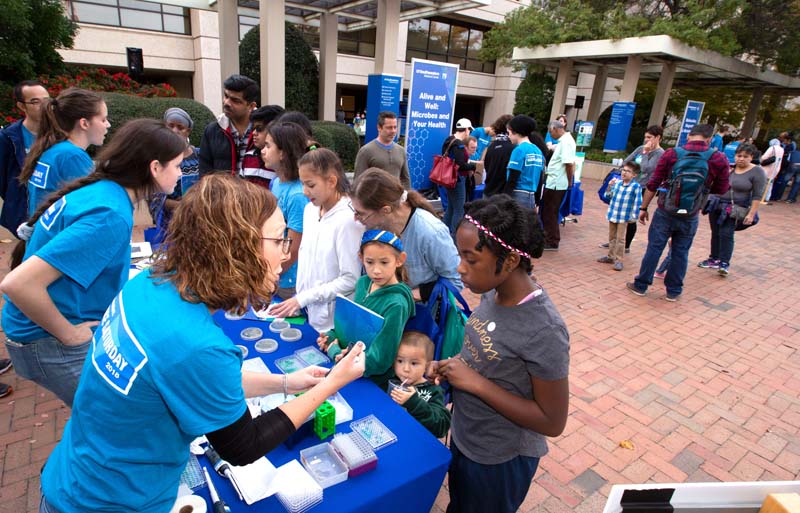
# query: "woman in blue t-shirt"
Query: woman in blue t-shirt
70,123
78,253
526,163
162,372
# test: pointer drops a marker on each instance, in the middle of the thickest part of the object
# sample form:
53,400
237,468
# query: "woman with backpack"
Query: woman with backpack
747,188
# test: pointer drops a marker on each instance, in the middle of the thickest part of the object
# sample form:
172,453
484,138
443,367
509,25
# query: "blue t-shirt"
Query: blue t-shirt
28,138
484,140
61,163
528,159
86,235
730,151
159,373
716,142
292,203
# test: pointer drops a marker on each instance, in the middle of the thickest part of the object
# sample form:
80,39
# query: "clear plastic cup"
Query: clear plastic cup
396,383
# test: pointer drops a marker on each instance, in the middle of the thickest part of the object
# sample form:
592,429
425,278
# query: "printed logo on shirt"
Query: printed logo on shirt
484,337
425,395
534,159
116,353
51,214
39,176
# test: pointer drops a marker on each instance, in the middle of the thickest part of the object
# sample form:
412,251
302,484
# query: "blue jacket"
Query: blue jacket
12,158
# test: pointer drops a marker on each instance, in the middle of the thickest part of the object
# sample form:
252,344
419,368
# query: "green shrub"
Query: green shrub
123,107
338,137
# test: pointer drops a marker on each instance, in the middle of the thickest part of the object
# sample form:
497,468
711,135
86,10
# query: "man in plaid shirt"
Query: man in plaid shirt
626,198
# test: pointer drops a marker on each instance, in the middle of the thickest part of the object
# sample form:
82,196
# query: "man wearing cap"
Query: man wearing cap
383,153
456,149
681,229
162,205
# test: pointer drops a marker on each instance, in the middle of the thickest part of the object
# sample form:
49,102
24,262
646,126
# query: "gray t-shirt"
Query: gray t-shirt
647,161
508,346
746,186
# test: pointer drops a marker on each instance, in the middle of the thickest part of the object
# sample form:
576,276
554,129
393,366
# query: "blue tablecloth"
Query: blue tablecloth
409,473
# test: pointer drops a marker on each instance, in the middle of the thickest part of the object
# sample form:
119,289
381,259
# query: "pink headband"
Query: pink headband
494,237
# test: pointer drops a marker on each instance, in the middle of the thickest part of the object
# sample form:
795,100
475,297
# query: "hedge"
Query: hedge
338,137
123,107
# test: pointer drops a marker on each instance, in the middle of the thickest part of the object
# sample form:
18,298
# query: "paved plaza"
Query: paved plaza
705,389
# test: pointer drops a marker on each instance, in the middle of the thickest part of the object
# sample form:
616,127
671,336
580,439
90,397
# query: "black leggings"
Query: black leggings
630,234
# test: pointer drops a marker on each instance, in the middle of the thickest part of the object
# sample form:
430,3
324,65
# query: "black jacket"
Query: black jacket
458,152
217,149
496,164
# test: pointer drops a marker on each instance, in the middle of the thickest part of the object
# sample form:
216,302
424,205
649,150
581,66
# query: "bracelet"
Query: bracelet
643,209
285,386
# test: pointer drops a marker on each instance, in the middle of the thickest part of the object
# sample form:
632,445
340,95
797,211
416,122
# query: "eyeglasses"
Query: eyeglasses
35,101
259,128
361,217
286,243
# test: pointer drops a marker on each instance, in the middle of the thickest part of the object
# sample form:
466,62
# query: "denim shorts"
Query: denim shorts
51,364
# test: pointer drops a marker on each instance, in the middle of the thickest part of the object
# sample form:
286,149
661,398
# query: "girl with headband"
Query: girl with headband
510,387
384,291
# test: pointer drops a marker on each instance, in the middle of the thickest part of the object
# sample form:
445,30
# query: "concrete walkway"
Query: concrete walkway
705,389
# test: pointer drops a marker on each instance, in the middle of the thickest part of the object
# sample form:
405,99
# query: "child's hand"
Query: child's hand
458,373
400,397
349,367
288,308
322,342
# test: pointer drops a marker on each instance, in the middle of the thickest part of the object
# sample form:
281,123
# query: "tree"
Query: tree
764,30
535,95
301,74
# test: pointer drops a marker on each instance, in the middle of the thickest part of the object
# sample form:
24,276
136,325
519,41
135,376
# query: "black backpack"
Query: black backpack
686,188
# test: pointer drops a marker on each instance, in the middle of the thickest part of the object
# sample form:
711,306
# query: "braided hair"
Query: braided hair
517,226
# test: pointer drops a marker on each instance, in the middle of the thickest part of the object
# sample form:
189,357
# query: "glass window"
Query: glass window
437,42
175,24
172,9
418,35
348,46
139,4
458,40
475,43
89,13
140,19
366,49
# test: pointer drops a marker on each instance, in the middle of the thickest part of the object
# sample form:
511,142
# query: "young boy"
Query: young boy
423,400
626,198
253,168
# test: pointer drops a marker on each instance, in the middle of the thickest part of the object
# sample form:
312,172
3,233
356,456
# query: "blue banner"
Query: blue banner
383,93
691,117
619,126
429,120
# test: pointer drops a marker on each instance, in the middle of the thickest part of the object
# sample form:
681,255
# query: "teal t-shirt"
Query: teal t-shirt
528,159
159,373
484,140
86,235
292,203
28,138
61,163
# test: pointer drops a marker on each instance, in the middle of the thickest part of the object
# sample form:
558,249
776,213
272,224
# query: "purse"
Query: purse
738,214
445,170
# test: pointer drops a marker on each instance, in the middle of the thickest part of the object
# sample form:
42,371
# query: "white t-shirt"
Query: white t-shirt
563,154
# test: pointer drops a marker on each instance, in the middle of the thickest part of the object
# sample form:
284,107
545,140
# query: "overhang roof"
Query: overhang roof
353,14
694,67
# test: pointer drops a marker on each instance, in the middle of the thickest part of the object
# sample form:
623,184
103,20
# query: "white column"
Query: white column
387,30
207,78
662,94
562,84
227,11
506,83
632,70
271,45
598,90
752,111
328,40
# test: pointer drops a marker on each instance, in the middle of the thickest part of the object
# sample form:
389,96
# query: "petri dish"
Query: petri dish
243,350
266,345
251,333
291,335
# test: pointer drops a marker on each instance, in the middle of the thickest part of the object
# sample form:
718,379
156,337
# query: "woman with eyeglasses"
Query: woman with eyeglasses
70,123
161,371
380,202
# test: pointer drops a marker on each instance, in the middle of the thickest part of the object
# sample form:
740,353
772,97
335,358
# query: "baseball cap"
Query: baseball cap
463,123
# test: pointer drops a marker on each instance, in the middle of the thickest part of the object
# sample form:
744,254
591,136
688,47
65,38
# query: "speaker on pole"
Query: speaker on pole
135,62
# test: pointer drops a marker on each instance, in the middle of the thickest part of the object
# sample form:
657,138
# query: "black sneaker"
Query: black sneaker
633,288
5,390
672,297
551,248
5,364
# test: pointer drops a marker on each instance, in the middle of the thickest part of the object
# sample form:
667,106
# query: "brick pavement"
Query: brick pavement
705,389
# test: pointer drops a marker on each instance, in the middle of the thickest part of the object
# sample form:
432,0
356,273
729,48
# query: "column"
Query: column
228,13
562,84
598,91
271,46
662,94
328,41
631,79
207,79
752,111
387,29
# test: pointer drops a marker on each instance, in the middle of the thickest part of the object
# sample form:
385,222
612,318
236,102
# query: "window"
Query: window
447,41
360,42
137,14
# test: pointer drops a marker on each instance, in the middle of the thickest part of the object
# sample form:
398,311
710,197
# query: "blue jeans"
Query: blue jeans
662,227
46,507
721,237
478,488
525,198
51,364
455,205
794,172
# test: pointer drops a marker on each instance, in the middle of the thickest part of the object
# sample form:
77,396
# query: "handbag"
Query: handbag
445,169
738,213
